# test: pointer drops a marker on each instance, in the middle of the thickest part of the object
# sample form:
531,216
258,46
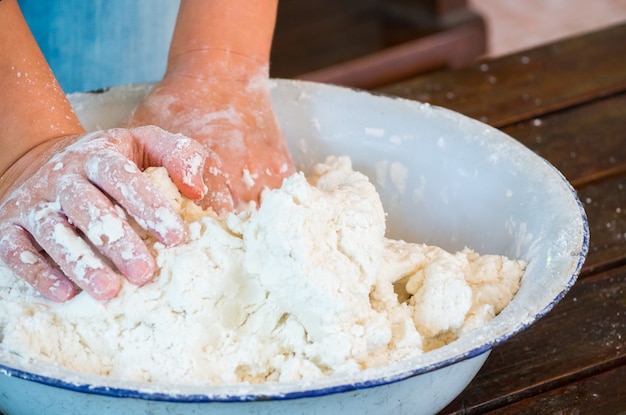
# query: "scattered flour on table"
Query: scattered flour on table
306,286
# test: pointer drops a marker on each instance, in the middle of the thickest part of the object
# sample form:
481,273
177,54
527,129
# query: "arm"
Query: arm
33,108
57,182
216,90
243,27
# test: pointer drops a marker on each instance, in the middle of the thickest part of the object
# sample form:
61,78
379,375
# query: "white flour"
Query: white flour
302,288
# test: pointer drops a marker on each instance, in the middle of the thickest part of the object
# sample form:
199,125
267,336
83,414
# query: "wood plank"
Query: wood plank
584,335
605,205
604,393
530,83
586,143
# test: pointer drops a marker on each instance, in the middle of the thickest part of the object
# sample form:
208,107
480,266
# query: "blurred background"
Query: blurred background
514,25
364,44
376,42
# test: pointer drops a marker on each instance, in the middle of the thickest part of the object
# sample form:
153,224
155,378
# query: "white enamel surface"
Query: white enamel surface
438,387
444,179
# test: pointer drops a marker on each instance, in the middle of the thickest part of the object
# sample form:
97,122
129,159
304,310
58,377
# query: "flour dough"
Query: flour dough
305,287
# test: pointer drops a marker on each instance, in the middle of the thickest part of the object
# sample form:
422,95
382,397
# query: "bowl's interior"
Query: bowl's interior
444,179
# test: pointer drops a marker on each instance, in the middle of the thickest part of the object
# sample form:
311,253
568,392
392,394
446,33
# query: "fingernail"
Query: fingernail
104,285
140,270
61,290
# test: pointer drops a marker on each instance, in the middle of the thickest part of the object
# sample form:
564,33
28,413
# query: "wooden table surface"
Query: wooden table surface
567,102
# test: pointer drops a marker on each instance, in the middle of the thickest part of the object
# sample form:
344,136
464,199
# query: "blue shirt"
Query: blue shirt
94,44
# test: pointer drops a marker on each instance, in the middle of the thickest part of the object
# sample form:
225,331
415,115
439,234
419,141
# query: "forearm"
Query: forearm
33,108
240,29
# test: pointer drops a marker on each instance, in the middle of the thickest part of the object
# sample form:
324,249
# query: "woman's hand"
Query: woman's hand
223,101
216,90
63,225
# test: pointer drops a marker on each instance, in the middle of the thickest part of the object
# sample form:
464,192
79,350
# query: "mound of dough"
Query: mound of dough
306,286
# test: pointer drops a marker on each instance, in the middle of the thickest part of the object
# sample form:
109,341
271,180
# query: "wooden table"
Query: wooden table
567,102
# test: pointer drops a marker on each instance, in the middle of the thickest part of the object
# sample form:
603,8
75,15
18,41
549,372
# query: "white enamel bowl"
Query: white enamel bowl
444,179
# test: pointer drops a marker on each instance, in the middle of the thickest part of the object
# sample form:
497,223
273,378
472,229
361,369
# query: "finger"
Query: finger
219,197
182,157
94,214
71,253
126,184
18,253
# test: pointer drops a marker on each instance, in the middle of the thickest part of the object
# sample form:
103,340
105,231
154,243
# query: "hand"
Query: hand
51,222
224,103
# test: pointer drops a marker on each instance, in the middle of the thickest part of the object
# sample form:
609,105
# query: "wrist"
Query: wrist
216,64
241,27
29,163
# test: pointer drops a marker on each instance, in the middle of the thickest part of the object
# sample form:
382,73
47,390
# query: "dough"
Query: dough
306,286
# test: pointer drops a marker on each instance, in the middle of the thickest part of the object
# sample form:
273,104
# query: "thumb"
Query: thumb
183,158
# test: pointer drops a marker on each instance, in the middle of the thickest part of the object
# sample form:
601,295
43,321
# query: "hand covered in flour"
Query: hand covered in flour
234,120
54,222
216,90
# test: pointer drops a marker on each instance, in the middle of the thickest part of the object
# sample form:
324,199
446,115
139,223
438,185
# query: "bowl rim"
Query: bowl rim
23,368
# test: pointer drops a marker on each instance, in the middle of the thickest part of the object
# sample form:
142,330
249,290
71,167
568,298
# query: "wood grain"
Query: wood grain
598,394
528,84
